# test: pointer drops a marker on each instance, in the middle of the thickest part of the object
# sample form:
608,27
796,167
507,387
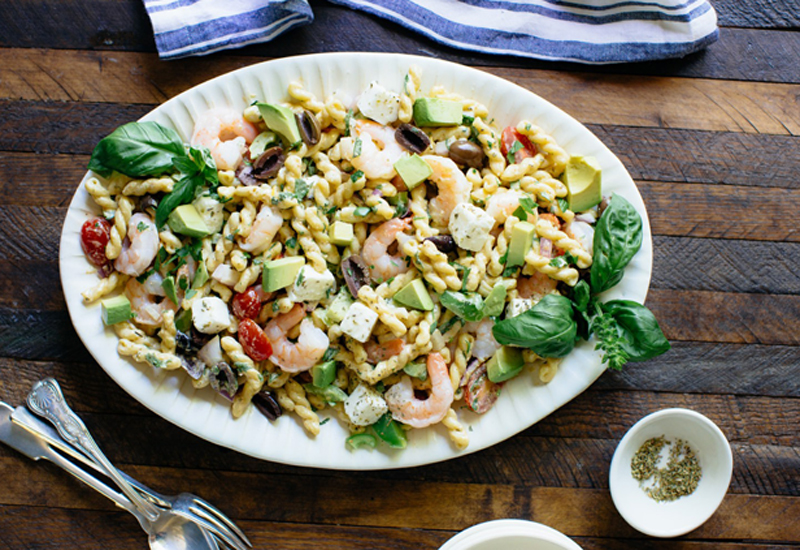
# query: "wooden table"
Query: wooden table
711,140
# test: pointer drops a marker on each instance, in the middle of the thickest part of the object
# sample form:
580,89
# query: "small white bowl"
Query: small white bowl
677,517
510,534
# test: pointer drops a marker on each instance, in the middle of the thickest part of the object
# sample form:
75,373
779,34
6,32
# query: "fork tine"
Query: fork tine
229,535
210,508
218,530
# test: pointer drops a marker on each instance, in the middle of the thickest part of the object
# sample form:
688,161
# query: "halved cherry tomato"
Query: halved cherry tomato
253,340
480,393
95,235
510,135
247,304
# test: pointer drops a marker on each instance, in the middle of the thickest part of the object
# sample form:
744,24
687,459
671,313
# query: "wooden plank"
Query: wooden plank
30,232
760,267
736,319
398,503
714,368
39,335
758,13
40,527
120,77
691,156
578,512
721,212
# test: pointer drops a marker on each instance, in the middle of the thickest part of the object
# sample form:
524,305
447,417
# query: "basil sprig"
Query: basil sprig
617,238
624,330
142,149
466,306
137,149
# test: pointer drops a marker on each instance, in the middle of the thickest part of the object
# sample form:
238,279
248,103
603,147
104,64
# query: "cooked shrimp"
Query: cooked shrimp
143,303
310,346
485,344
226,134
381,351
382,265
140,248
502,204
265,227
376,163
420,413
537,286
453,188
581,232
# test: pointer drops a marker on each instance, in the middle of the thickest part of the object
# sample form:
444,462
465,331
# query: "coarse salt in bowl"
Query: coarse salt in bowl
677,517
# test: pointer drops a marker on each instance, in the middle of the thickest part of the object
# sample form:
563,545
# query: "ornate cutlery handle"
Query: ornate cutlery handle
46,400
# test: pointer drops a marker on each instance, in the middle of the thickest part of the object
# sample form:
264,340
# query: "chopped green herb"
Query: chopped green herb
141,226
510,272
291,242
329,354
357,175
466,278
300,278
301,189
362,211
357,148
348,117
516,146
467,120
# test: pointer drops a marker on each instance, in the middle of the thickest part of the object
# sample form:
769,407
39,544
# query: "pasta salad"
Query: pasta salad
391,262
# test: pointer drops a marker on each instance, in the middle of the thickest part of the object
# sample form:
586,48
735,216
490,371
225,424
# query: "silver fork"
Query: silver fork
186,505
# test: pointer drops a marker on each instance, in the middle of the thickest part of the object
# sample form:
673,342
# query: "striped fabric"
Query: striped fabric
585,31
199,27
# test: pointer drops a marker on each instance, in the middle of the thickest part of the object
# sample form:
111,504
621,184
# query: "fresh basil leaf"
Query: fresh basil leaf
528,204
520,213
510,156
639,329
580,295
467,306
617,238
137,149
548,328
182,193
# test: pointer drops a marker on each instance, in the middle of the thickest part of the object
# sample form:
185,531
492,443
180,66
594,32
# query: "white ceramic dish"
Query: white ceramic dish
677,517
510,534
206,414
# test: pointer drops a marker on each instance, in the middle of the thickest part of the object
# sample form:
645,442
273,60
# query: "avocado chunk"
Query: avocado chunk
417,370
280,120
391,432
341,233
280,273
183,322
338,308
329,393
323,375
521,242
506,363
495,302
263,141
413,170
583,178
414,295
186,220
200,276
116,310
432,111
168,284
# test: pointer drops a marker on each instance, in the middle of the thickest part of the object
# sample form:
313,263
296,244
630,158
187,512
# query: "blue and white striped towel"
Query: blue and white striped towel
199,27
585,31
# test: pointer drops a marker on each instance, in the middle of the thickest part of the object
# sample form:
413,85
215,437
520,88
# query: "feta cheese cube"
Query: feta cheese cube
210,315
470,226
518,305
359,321
364,406
226,275
379,104
310,285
